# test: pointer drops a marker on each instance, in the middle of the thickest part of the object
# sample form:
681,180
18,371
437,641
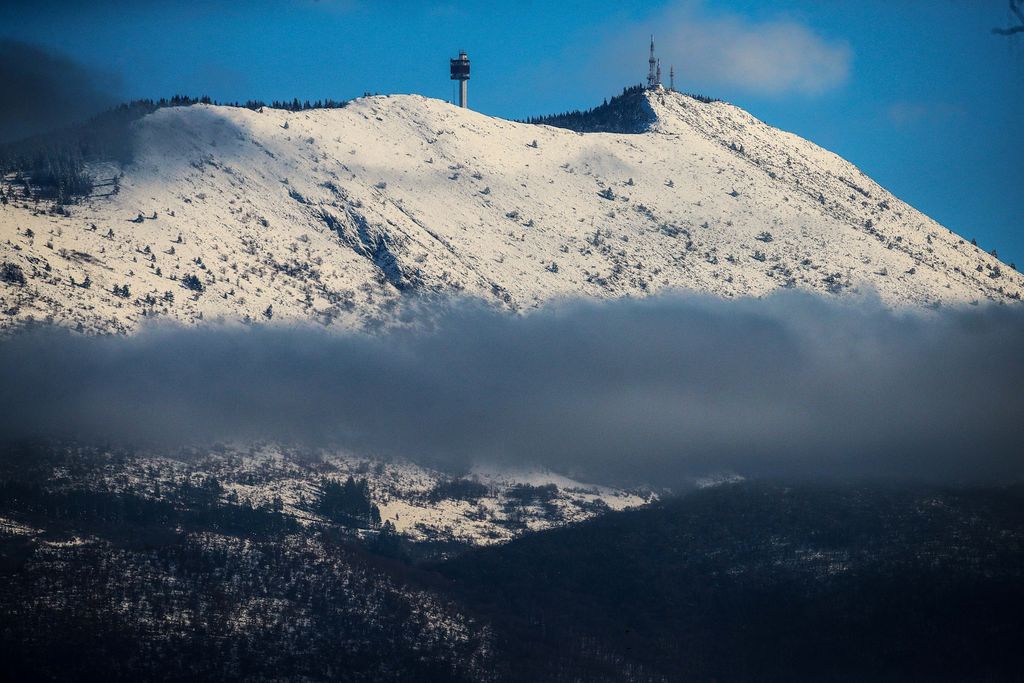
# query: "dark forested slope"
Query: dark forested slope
106,574
764,582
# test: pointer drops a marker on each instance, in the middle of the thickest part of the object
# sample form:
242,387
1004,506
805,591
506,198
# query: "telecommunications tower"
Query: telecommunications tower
652,72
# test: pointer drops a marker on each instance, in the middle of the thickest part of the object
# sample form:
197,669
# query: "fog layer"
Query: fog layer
43,90
652,391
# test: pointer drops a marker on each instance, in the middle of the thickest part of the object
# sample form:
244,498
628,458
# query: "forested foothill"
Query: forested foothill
123,567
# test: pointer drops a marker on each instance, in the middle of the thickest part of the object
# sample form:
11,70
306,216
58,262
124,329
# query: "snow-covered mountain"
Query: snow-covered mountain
337,215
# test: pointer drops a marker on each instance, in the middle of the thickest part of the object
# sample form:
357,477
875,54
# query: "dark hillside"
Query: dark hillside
117,566
758,582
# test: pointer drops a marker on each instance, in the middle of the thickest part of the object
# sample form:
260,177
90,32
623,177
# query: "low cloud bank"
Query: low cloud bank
652,391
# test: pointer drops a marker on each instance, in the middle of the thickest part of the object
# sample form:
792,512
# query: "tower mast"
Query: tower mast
651,63
672,77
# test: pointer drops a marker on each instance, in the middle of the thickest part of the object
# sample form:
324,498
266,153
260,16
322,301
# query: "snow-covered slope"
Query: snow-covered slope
481,507
335,215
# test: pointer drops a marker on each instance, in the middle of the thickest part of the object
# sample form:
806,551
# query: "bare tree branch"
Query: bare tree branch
1017,7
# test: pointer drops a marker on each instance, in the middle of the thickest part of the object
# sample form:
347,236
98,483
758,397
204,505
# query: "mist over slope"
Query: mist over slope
627,392
337,216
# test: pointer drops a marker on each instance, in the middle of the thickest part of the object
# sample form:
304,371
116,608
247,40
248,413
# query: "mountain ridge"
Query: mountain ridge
337,215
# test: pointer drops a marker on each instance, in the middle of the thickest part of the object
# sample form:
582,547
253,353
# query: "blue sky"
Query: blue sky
918,93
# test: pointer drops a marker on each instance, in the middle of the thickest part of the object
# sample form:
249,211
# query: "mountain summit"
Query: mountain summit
336,215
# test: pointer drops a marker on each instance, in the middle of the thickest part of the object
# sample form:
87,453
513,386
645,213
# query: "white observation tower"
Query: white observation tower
460,73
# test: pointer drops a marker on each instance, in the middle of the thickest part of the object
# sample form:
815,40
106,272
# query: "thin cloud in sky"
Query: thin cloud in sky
908,113
776,57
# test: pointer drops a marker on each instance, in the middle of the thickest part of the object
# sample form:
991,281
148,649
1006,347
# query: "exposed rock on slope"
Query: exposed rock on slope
335,215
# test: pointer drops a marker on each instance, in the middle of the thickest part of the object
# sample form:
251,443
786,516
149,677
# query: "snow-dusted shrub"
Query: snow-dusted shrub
11,273
191,281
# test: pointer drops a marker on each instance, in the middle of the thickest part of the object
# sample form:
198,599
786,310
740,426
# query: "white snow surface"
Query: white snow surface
402,490
335,215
